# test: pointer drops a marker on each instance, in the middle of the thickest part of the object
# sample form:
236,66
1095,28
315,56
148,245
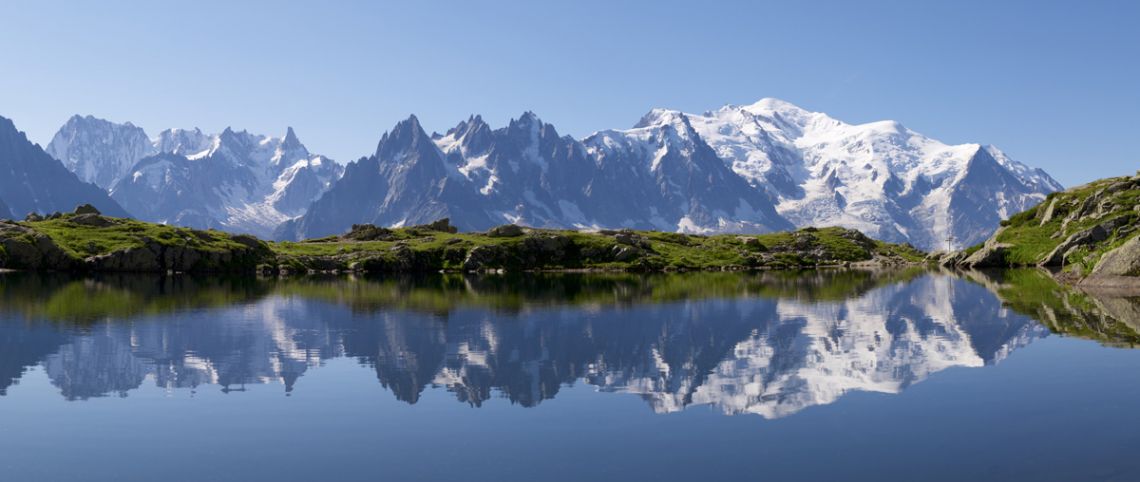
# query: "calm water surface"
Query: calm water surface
840,375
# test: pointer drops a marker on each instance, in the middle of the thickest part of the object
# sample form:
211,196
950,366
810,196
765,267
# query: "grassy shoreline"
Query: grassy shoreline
86,241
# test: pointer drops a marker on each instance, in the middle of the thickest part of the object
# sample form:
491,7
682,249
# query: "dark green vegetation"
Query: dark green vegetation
1073,231
85,299
1112,318
87,241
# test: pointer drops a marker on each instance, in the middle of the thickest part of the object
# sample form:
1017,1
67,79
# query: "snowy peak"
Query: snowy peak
232,180
97,150
184,142
879,177
738,168
661,118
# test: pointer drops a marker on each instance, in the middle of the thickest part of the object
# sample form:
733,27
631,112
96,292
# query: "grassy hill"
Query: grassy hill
1078,231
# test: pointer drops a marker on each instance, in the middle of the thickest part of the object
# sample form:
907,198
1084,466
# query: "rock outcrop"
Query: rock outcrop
1089,232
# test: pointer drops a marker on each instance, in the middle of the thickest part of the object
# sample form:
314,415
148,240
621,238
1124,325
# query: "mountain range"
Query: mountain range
233,181
762,167
753,168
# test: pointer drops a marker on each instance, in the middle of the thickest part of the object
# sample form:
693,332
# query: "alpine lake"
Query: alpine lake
841,374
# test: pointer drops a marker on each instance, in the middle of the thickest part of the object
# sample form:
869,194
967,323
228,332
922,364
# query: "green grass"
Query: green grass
1032,241
82,241
828,246
438,250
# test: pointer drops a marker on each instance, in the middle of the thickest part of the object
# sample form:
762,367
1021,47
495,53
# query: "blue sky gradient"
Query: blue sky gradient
1054,84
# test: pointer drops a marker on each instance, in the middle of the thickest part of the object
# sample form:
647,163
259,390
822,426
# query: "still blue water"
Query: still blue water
685,377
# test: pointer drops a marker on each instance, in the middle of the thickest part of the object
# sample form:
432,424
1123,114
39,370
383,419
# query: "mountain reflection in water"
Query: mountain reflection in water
769,343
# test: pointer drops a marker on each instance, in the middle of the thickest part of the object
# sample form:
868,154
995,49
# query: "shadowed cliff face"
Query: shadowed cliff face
33,181
770,344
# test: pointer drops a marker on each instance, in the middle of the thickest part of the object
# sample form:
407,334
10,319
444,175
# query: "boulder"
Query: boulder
750,242
624,253
442,225
24,248
1088,236
954,258
483,257
1122,261
140,259
506,231
632,239
368,232
89,219
992,255
87,209
1048,215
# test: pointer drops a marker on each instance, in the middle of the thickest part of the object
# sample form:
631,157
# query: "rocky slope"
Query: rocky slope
1090,232
236,181
31,181
757,168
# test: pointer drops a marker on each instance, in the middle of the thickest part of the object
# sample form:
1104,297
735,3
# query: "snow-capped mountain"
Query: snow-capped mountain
762,167
33,181
881,178
658,177
99,151
754,168
235,181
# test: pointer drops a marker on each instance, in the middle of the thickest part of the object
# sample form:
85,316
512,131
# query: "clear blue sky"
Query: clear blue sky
1056,85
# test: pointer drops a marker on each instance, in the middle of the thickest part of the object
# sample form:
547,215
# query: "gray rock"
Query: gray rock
367,232
1048,215
141,259
952,259
624,254
87,209
1085,237
91,220
992,255
442,225
505,231
1122,261
483,257
632,239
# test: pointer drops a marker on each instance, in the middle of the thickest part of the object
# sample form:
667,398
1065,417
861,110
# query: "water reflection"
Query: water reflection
770,344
